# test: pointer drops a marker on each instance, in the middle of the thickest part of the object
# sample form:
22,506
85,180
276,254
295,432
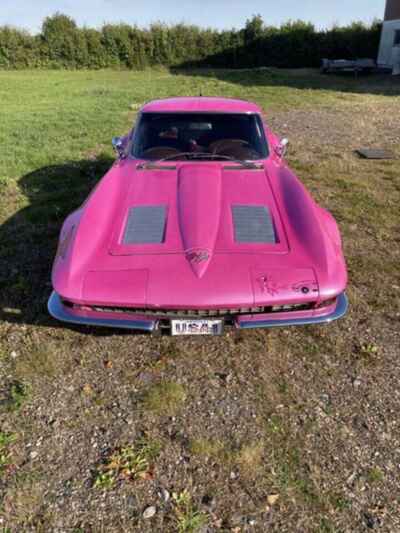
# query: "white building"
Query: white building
389,50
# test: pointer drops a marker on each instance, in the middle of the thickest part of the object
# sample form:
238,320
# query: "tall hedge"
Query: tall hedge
62,44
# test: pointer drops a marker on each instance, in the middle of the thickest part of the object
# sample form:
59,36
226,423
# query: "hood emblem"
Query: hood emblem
197,256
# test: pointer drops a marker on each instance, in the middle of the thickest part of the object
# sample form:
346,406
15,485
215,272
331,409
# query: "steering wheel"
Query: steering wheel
158,152
217,147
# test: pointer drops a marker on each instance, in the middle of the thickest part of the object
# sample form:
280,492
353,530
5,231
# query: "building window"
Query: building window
396,38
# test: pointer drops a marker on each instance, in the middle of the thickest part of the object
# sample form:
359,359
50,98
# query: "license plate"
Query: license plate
196,327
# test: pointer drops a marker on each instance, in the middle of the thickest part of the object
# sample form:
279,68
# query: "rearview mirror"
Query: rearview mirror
118,146
282,147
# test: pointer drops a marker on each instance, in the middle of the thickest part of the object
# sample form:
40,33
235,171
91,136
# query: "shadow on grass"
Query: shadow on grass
377,83
29,238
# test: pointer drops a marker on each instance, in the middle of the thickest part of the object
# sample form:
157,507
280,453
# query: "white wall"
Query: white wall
385,58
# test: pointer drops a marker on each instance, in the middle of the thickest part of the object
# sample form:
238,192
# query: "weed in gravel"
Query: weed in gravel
169,349
38,362
208,448
17,395
128,463
5,456
274,425
282,386
369,349
375,475
288,471
188,518
326,526
367,353
24,500
164,398
249,459
339,502
292,478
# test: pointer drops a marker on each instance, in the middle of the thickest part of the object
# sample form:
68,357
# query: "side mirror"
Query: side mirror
282,147
118,145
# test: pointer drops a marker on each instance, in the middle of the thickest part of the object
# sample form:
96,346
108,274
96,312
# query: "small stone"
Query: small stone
33,455
351,478
233,475
87,390
145,377
356,382
165,495
13,354
325,398
149,512
272,499
236,519
371,521
131,500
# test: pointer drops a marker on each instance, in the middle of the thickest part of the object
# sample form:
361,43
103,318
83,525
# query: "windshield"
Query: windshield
178,135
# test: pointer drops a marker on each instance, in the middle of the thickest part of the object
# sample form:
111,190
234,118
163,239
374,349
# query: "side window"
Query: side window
396,41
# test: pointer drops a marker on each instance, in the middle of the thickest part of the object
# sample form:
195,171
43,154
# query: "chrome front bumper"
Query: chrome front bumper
340,310
60,312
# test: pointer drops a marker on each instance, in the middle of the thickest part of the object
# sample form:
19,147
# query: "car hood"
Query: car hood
199,235
199,210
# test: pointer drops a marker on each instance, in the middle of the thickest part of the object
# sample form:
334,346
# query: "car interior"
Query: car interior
179,135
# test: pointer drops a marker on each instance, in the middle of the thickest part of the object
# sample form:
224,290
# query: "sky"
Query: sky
29,14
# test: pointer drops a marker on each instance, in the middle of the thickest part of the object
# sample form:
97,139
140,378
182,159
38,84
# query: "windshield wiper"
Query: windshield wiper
200,155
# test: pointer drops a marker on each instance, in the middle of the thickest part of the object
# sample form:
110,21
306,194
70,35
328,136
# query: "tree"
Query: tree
254,28
60,34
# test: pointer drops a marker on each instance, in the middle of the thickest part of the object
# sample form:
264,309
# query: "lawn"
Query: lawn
272,430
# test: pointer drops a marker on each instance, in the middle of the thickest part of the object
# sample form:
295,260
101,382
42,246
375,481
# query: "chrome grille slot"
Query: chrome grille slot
196,313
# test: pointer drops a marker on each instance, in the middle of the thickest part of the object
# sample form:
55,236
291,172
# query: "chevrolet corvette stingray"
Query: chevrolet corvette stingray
198,225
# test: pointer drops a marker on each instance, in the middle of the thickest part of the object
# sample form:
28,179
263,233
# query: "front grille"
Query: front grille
196,313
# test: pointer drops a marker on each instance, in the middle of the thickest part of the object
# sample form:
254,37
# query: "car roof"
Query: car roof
196,104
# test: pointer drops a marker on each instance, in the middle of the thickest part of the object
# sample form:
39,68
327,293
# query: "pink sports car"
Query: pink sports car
199,224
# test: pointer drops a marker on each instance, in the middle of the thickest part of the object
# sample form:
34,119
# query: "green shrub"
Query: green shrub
62,44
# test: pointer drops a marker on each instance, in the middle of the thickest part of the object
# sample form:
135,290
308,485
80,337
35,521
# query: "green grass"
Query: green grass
375,475
16,396
188,518
204,447
51,117
165,398
6,439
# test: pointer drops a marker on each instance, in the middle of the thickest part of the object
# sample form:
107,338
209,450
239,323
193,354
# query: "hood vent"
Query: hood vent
145,225
253,224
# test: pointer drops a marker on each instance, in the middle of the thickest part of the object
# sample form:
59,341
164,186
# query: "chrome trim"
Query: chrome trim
59,311
340,310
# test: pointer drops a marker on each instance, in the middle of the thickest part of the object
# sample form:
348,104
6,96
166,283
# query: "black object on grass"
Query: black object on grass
375,153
